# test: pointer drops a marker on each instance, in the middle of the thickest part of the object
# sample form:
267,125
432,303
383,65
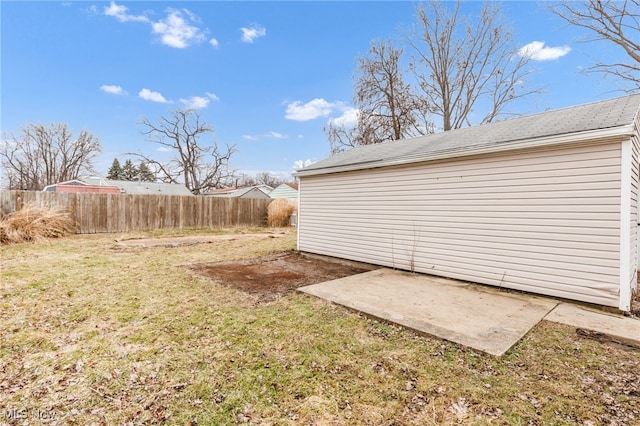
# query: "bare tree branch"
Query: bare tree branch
614,21
44,155
459,63
199,167
387,108
341,136
461,67
266,178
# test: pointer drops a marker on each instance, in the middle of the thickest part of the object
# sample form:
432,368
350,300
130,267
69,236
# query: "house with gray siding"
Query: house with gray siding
285,190
546,203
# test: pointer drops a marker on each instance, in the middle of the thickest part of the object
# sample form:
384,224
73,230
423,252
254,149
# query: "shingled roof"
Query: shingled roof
141,188
609,118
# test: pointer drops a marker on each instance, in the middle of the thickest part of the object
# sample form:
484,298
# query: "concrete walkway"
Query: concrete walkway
624,329
482,317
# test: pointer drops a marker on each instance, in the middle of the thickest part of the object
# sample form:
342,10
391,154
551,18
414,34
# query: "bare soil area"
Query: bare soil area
273,276
194,239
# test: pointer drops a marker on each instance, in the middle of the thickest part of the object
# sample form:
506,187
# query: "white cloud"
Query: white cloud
300,136
277,135
176,30
313,109
348,119
299,164
269,135
199,102
120,13
538,52
163,149
253,32
114,90
196,102
192,16
148,95
179,29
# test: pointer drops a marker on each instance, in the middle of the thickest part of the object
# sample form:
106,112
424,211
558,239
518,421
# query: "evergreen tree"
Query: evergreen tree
145,173
129,171
115,171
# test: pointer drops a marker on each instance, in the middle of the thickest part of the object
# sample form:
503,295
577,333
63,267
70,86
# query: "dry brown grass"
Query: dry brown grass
279,212
35,224
92,332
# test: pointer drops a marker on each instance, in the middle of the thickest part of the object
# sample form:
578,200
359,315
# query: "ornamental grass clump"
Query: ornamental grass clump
35,224
279,212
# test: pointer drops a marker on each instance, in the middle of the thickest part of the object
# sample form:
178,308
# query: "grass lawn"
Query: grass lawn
94,333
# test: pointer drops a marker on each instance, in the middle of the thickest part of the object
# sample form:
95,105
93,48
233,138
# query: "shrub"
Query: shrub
35,224
279,212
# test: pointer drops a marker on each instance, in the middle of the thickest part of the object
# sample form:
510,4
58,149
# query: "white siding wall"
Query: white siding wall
635,185
545,221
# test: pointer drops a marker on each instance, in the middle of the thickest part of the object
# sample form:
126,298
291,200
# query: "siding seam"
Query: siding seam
625,225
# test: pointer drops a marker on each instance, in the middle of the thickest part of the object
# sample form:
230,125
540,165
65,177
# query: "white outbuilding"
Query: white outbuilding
546,203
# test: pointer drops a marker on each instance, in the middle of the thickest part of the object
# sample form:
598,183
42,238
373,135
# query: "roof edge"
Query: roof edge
586,136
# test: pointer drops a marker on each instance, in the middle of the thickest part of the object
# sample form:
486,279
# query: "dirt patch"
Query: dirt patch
605,339
270,277
187,241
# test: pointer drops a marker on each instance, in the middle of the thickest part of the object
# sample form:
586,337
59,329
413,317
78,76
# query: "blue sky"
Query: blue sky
266,75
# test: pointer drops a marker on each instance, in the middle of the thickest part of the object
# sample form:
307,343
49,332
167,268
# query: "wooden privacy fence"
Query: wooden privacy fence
125,212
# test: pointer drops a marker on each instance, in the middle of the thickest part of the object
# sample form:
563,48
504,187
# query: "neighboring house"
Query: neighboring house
141,188
285,190
264,188
79,186
73,182
248,192
546,203
220,192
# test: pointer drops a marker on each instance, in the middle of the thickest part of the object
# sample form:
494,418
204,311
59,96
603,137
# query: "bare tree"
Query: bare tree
200,167
43,155
460,63
614,21
386,106
243,180
459,66
342,136
266,178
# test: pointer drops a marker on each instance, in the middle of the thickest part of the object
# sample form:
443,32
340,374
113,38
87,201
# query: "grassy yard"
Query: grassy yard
94,333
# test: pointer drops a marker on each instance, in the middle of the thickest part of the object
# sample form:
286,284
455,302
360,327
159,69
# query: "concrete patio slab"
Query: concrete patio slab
625,329
484,318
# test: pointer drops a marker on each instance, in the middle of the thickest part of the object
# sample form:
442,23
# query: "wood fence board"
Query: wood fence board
97,213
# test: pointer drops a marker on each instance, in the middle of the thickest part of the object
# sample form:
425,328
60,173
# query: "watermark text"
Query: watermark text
26,414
